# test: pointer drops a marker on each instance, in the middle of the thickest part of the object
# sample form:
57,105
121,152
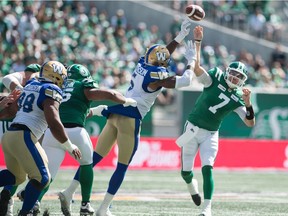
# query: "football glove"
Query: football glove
184,31
71,148
130,102
189,52
98,110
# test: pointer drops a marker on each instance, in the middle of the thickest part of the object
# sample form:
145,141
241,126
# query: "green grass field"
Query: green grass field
245,193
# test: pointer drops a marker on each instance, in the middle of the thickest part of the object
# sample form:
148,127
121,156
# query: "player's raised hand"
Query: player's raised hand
184,30
189,52
198,33
246,96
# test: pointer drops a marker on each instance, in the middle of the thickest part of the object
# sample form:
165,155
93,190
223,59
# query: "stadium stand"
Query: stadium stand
69,31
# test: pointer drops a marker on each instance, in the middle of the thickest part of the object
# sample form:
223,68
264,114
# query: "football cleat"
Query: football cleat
194,192
36,208
10,207
104,212
55,72
4,201
21,213
65,204
86,210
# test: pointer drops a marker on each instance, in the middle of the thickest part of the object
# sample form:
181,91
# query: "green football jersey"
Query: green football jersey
75,106
215,102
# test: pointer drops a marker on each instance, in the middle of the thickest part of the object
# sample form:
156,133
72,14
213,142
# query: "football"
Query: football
195,12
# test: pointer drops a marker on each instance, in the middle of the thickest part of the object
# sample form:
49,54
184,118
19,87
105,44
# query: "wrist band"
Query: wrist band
249,113
198,41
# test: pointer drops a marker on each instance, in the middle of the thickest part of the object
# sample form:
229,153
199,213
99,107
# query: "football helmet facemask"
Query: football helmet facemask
157,55
78,72
236,75
55,72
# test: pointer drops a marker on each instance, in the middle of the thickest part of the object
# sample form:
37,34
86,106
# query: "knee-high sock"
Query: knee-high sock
43,192
11,188
208,182
187,176
86,181
96,159
31,196
117,178
6,178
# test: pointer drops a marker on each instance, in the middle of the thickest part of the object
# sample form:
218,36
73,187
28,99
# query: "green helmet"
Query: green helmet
34,68
78,72
236,74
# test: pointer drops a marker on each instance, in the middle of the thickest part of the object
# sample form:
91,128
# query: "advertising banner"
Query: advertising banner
163,154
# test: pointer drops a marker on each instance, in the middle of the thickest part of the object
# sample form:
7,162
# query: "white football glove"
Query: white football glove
184,31
190,52
130,102
71,148
98,110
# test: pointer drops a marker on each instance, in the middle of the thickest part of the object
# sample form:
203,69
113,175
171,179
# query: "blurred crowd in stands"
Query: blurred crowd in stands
67,31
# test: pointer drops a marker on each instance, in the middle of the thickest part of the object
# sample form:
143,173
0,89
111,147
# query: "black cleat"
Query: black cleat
4,201
196,199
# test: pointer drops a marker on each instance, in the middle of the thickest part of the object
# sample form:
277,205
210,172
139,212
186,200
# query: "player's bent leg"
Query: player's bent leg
192,186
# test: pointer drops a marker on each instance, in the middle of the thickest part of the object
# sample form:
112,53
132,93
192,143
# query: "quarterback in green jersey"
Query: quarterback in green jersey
78,95
222,94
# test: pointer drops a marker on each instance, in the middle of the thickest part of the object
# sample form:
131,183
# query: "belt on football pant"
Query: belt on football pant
19,127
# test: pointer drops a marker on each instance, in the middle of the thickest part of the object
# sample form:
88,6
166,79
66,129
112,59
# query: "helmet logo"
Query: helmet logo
57,68
161,56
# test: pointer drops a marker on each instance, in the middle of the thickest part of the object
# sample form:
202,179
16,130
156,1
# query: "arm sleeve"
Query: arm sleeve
205,79
241,111
185,79
12,78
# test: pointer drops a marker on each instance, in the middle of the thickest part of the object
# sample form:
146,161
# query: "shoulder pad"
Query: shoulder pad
54,94
90,83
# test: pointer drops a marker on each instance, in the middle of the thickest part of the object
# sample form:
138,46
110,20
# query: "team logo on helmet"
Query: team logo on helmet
78,72
157,55
236,75
53,71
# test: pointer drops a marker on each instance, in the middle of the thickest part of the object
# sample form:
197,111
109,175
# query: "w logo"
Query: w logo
57,68
161,56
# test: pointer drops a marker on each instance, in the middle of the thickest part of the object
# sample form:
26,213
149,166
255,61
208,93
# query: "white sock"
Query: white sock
193,190
106,201
207,203
71,189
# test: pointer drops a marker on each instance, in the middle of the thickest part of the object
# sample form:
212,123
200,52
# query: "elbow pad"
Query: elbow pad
184,80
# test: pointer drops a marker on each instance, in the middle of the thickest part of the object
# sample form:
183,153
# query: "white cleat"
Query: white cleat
104,212
206,211
10,207
86,210
65,204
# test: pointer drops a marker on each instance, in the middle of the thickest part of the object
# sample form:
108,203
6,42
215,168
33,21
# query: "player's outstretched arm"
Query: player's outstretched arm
180,37
107,94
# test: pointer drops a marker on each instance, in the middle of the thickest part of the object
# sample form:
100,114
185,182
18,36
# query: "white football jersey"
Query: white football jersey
30,111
